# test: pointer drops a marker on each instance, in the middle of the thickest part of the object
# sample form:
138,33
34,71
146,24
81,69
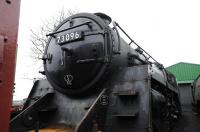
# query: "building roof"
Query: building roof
185,72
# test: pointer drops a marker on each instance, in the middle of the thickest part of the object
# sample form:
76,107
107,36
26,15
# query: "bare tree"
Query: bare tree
39,39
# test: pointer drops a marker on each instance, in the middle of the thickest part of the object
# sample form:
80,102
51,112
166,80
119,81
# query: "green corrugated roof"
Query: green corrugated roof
185,72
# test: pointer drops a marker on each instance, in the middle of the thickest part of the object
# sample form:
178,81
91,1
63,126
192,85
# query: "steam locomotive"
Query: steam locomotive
96,82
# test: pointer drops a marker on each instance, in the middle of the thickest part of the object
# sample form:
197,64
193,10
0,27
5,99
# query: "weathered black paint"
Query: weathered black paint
99,83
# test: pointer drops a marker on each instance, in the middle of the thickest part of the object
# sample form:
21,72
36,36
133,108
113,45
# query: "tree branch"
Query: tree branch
39,39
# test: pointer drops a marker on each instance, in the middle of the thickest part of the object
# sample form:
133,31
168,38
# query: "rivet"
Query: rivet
8,1
5,39
30,118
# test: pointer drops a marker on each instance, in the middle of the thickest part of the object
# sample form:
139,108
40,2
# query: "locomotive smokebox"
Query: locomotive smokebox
78,52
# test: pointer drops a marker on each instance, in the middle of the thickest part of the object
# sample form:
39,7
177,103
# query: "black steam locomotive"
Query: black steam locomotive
96,82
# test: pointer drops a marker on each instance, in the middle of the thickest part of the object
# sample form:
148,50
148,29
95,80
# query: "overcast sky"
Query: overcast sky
168,29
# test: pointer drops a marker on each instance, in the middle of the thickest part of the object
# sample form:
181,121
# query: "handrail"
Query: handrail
119,43
85,23
132,41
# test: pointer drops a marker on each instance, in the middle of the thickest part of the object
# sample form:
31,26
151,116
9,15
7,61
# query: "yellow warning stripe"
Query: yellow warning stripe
55,130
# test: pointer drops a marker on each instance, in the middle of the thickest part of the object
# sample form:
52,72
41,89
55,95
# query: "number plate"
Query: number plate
69,37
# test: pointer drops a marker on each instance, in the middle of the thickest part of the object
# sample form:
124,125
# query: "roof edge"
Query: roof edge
183,63
183,82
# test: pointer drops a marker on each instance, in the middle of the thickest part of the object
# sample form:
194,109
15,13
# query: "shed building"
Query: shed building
185,74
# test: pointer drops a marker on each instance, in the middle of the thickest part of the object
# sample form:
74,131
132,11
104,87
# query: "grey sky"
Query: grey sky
168,29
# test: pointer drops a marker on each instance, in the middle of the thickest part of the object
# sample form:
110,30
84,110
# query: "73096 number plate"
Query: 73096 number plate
69,37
